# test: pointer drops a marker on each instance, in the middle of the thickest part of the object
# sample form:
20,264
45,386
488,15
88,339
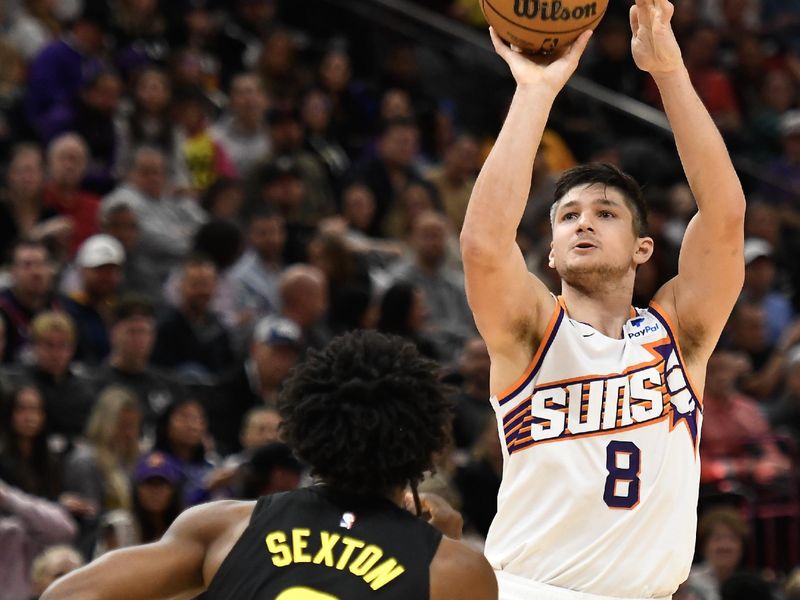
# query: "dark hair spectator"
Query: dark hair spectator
26,461
156,495
349,283
181,434
402,312
23,214
478,481
192,339
224,199
30,292
133,333
150,123
272,468
745,586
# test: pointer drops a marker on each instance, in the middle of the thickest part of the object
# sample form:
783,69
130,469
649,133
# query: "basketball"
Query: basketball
542,26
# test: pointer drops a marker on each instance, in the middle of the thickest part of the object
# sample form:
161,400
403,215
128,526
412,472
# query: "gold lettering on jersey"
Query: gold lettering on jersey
366,560
325,554
350,545
276,544
300,543
383,574
346,554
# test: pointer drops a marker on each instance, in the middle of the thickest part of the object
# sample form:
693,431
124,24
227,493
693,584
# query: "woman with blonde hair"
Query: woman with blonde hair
99,468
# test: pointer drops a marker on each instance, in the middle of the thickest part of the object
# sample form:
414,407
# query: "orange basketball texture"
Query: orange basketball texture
542,25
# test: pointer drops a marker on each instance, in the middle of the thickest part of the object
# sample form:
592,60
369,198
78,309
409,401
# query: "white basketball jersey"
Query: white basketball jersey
601,469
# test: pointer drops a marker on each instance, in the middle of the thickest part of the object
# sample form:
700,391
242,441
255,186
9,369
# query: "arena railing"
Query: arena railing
410,20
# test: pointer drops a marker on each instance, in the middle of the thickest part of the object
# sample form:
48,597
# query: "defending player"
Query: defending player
599,404
367,414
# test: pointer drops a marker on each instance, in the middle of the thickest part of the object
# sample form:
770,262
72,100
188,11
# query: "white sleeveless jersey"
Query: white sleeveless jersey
601,469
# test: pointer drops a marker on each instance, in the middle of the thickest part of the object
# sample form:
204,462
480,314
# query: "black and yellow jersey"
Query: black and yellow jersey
317,544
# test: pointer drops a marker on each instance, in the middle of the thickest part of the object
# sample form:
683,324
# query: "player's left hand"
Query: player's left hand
654,46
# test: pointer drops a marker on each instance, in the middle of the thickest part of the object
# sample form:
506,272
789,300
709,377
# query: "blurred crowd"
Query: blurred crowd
194,194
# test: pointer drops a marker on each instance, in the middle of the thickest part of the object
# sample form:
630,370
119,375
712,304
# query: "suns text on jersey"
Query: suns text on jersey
596,405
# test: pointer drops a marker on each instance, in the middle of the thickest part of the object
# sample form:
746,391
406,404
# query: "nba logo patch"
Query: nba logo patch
348,520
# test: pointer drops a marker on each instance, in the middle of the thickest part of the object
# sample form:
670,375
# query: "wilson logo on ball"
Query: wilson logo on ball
553,11
542,26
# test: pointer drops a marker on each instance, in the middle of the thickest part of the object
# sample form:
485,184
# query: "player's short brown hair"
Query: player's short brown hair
609,176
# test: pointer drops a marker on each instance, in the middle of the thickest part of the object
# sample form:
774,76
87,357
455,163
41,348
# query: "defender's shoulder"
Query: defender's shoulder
458,571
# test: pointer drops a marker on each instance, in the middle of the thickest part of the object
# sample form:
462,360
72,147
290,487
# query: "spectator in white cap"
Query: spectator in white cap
100,260
760,279
275,348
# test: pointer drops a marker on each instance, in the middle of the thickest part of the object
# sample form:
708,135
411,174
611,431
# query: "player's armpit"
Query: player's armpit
458,571
511,308
710,277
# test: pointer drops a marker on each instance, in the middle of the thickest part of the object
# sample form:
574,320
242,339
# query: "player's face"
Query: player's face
593,236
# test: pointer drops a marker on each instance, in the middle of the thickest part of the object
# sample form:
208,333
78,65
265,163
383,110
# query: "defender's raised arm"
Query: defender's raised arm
510,305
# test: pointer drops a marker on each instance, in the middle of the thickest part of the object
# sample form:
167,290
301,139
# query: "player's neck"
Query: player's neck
606,310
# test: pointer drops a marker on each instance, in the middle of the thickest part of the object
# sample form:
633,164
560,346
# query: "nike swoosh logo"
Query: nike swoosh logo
588,334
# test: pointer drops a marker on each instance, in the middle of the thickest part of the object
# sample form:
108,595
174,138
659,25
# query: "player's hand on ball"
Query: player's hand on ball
654,46
551,71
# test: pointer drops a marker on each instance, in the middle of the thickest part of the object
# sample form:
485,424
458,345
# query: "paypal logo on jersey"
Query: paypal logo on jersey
639,329
643,331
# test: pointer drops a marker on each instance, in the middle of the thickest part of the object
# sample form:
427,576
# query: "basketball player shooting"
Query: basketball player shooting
367,414
599,404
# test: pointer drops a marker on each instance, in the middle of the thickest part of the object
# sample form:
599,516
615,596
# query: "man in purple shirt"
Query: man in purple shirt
61,68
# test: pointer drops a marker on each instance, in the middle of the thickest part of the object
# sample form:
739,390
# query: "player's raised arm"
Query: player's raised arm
508,302
711,266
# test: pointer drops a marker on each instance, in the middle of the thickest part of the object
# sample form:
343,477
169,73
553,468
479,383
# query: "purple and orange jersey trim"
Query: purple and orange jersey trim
663,373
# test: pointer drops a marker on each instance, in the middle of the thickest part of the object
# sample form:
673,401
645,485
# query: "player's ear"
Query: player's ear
551,258
644,250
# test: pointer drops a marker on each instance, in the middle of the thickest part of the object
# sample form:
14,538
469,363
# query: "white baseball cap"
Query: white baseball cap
756,248
278,331
789,123
99,250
